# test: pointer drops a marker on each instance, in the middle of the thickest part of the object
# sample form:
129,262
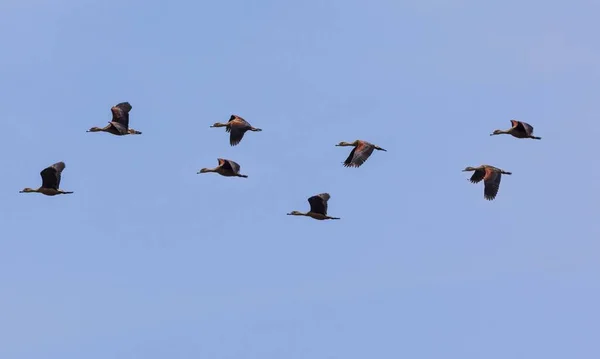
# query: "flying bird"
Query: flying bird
227,168
519,129
50,181
237,127
491,177
318,208
360,153
119,125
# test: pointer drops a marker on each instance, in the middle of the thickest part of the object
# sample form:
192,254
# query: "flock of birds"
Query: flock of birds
237,127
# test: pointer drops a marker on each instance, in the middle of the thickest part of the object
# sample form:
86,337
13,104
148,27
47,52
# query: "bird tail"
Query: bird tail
536,138
244,176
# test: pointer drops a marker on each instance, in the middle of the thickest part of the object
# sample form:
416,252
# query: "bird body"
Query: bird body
519,129
119,125
318,208
360,153
237,127
491,177
227,168
50,181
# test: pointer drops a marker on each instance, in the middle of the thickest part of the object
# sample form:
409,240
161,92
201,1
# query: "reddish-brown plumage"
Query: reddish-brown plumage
491,177
360,153
519,129
237,127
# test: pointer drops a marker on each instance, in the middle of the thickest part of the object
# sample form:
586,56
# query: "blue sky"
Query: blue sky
149,260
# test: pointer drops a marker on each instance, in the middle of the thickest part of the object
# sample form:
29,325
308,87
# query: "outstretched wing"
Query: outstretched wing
522,127
234,166
491,183
51,175
227,164
237,131
318,203
528,128
359,154
477,176
120,113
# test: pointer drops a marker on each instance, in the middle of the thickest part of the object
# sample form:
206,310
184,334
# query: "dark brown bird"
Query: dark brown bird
237,127
360,153
50,181
519,129
318,208
227,168
491,177
119,125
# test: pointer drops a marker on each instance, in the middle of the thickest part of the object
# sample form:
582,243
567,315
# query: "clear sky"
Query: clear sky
149,260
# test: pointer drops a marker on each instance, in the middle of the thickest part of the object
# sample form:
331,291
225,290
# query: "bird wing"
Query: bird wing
118,128
522,127
225,164
234,166
527,128
318,203
359,154
120,113
51,175
491,183
237,130
477,176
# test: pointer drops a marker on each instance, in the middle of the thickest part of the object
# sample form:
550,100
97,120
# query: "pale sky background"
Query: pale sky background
149,260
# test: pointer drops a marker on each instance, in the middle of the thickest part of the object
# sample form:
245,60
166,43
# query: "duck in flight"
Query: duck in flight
519,129
119,125
360,153
227,168
50,181
318,208
237,127
491,177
